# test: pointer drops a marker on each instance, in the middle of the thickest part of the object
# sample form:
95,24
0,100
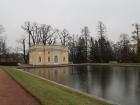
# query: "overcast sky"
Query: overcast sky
117,15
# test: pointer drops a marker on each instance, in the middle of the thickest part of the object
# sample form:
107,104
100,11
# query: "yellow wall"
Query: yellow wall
37,51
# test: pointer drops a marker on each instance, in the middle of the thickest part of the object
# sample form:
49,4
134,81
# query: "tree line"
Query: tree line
6,56
83,47
3,49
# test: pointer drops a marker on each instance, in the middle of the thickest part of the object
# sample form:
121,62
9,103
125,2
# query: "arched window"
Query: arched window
39,59
63,59
48,59
55,59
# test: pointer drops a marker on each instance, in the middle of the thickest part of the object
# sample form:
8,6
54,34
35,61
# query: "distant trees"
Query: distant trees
84,47
94,50
44,34
65,37
73,48
103,50
89,50
86,37
28,28
40,33
47,35
123,48
136,38
23,48
80,51
2,43
1,29
3,47
101,31
102,47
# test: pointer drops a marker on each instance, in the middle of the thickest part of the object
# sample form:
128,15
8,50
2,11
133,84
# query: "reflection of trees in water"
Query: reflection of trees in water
101,78
79,77
89,76
127,78
137,80
105,81
74,70
138,85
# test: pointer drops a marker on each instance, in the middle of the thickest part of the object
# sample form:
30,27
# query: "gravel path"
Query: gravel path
12,94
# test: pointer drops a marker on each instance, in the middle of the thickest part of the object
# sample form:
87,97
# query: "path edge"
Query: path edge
28,92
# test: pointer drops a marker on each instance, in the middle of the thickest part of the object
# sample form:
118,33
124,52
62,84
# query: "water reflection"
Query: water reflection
119,84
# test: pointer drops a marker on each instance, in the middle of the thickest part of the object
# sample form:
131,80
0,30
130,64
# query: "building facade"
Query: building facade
48,55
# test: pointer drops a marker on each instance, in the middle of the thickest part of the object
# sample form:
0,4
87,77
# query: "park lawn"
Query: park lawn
48,93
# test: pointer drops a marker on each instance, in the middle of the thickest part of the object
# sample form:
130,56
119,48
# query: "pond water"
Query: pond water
118,84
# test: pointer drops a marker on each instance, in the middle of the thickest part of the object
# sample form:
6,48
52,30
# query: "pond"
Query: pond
118,84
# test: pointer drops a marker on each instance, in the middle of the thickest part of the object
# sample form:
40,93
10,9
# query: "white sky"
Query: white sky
117,15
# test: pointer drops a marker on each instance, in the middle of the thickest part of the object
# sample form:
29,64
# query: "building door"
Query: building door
55,59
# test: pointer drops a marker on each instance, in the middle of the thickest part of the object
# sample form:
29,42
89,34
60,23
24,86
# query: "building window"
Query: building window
48,59
39,59
55,59
64,59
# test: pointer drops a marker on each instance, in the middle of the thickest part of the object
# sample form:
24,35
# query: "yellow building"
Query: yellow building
48,55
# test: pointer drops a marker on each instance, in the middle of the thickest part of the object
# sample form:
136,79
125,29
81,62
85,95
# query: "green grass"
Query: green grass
48,93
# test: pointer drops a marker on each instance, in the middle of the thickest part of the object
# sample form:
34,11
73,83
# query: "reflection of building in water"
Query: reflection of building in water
59,74
48,55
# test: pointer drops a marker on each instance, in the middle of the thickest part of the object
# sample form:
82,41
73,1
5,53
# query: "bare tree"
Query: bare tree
3,48
47,34
86,36
28,28
22,41
65,37
40,34
52,40
2,29
123,50
72,47
136,37
101,31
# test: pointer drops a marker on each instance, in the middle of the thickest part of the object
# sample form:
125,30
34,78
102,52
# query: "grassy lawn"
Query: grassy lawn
48,93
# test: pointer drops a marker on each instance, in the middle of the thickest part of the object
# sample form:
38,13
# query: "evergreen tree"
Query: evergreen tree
136,37
80,53
86,36
101,30
94,50
124,49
